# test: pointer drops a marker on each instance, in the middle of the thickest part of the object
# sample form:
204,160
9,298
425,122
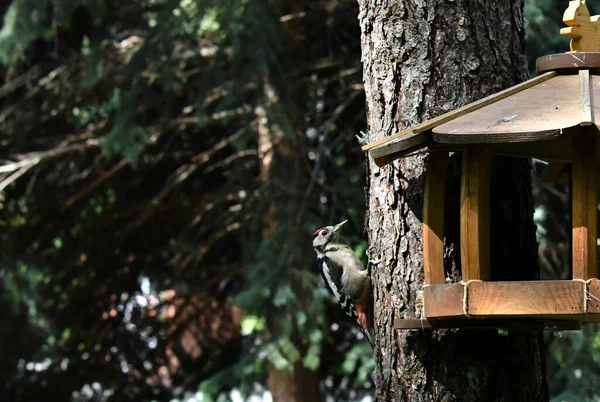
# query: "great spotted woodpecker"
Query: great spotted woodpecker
346,276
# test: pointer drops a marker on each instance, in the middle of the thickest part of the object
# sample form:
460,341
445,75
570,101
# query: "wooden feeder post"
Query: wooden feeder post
550,117
433,218
475,213
583,188
584,207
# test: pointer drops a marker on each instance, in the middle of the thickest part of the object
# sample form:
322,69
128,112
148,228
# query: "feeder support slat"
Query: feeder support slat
433,218
475,213
585,98
584,215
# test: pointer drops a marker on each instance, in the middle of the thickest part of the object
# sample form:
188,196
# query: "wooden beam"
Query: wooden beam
584,207
526,298
568,63
433,218
446,117
410,141
510,324
475,213
585,98
519,299
443,300
593,297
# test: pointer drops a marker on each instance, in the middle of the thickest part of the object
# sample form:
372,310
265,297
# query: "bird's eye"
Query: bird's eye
324,233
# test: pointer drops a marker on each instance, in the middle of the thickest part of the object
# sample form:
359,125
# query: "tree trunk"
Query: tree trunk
421,59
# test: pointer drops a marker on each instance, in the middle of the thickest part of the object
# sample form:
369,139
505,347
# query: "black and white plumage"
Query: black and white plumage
345,275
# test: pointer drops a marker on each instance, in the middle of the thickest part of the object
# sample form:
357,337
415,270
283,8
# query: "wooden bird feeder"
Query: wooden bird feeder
554,117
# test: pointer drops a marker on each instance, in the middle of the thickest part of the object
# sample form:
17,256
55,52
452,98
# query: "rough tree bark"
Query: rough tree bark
423,58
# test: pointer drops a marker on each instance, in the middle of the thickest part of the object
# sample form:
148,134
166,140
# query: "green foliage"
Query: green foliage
23,24
358,359
573,365
26,21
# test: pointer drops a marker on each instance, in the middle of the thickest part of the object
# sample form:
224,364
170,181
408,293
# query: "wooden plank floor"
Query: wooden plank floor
562,300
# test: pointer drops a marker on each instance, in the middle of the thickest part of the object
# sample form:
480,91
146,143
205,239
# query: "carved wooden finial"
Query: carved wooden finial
584,29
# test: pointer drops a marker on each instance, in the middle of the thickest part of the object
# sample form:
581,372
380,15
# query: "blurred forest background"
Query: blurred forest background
163,164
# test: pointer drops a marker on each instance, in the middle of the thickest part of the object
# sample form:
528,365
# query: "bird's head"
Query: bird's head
326,235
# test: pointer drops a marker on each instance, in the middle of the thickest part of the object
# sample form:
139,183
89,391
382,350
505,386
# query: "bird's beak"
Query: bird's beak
337,227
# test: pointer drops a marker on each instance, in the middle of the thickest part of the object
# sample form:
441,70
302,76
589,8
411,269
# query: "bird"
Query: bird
345,275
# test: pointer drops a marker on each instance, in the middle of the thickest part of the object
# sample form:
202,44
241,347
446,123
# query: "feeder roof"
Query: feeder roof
543,111
537,112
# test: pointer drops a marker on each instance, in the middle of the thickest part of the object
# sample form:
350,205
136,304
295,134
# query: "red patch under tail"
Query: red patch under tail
363,312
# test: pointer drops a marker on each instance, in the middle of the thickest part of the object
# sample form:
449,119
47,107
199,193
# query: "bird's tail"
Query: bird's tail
365,320
369,335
